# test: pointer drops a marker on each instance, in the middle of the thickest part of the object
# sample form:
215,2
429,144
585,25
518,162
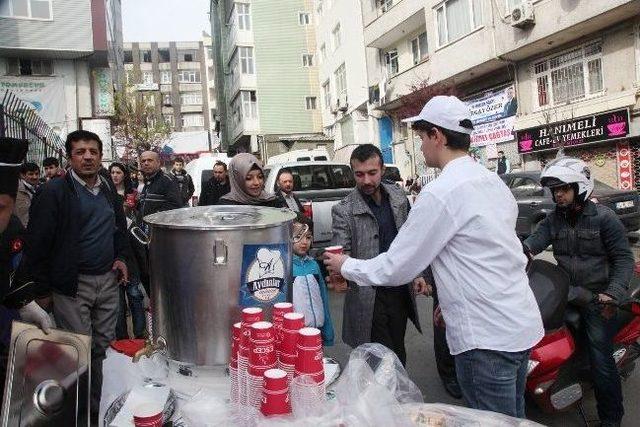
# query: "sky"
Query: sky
164,20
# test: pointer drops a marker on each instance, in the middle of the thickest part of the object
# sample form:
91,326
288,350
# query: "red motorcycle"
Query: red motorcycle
558,369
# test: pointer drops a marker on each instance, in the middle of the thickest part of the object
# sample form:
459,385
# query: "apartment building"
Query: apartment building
536,74
177,72
341,58
64,58
270,75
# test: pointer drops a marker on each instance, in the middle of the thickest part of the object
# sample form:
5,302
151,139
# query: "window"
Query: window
187,57
166,99
246,60
323,52
164,55
189,76
384,5
168,119
191,98
319,177
128,57
249,104
165,77
419,48
570,75
391,62
319,8
337,37
311,102
147,77
244,16
457,18
29,67
341,80
326,93
304,18
35,9
192,120
307,60
511,4
145,56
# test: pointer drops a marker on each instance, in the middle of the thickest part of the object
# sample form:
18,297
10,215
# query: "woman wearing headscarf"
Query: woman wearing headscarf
122,181
246,177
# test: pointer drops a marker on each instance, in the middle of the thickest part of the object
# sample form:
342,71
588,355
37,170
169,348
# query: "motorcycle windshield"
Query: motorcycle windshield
550,285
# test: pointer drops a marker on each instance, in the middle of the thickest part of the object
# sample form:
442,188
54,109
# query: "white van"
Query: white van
310,155
201,169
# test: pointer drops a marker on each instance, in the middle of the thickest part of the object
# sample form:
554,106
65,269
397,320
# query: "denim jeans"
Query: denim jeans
133,294
493,380
599,333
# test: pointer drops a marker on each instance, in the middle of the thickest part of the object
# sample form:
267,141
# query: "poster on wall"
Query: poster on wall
103,103
625,169
493,114
102,128
264,278
45,95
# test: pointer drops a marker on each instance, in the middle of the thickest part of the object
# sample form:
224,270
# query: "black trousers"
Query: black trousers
444,360
390,314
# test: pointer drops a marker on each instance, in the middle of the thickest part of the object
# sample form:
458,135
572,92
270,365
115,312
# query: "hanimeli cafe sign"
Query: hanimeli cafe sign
574,132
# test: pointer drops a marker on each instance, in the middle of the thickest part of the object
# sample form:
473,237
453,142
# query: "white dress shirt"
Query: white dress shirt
463,225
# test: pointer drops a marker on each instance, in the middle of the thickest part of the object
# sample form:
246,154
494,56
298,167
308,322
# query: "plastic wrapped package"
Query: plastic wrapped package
205,409
441,415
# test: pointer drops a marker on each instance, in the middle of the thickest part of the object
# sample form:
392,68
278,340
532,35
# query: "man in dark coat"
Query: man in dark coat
216,187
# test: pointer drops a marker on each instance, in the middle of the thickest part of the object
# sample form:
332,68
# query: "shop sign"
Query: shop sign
583,130
263,276
625,171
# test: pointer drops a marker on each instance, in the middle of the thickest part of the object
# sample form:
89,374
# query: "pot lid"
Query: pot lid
221,218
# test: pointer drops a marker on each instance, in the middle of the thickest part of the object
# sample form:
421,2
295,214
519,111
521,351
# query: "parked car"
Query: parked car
392,174
535,201
319,186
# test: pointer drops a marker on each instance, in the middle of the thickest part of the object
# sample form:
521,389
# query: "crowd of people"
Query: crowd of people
79,268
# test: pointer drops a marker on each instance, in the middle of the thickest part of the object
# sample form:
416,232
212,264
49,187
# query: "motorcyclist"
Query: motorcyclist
589,242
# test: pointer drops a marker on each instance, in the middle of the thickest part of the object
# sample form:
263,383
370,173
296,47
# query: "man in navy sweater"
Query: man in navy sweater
76,245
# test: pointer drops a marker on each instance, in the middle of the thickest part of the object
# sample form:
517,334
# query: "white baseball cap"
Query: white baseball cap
446,112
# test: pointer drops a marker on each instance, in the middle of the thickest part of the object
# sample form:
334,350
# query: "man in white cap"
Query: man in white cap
463,225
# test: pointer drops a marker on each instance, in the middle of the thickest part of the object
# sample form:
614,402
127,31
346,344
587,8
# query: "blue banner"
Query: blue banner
264,276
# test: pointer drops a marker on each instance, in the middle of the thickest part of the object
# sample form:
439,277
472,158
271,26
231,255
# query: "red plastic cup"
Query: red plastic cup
251,315
148,415
310,355
275,393
262,352
338,249
235,344
277,318
131,200
291,324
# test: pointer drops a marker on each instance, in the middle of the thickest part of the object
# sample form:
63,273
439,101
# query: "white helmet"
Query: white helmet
568,170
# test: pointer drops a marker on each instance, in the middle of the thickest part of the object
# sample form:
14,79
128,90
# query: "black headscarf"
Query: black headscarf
12,153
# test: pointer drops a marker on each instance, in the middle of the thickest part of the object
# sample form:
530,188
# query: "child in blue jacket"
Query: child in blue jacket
309,289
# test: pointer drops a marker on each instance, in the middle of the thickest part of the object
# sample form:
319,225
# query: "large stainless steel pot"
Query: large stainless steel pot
208,262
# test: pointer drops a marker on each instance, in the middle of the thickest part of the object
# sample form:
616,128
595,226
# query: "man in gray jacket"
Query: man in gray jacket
590,244
365,223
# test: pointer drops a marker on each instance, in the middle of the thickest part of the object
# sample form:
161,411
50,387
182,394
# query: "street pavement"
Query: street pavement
421,367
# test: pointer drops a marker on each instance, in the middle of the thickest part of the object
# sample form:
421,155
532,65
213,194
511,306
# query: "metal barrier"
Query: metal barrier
19,120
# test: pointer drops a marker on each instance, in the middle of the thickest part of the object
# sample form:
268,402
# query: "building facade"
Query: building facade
271,84
341,58
64,58
537,75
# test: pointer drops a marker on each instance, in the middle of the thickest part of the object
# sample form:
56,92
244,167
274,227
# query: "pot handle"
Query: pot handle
140,235
220,253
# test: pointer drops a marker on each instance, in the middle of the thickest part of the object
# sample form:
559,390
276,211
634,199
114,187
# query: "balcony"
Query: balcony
557,23
400,84
243,82
245,127
391,26
190,108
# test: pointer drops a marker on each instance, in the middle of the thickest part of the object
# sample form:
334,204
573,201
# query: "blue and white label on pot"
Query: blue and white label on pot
263,274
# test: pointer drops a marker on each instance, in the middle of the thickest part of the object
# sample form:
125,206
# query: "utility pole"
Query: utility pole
215,11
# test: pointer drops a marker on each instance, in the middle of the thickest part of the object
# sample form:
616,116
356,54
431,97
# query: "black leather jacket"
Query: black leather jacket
160,193
595,252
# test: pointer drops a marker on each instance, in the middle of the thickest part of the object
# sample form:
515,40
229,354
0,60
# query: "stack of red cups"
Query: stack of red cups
277,317
233,363
310,363
262,357
275,393
291,324
250,316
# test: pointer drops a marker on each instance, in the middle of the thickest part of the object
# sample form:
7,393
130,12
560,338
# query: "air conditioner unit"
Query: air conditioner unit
342,102
522,16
